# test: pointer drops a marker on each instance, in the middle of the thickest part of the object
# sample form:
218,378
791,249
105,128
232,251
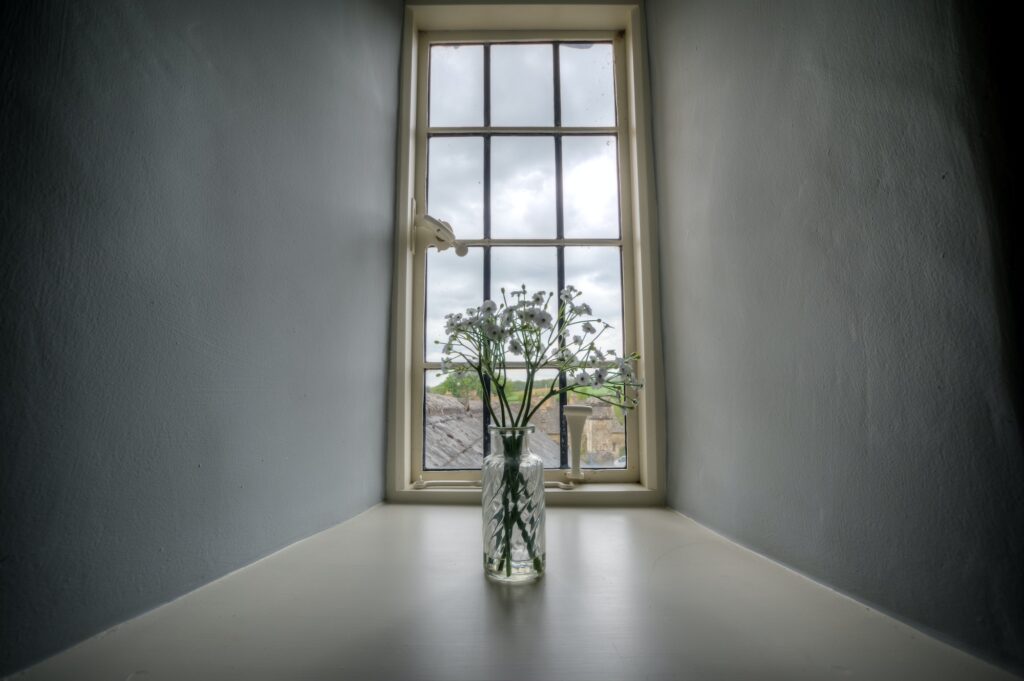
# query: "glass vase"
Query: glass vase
513,507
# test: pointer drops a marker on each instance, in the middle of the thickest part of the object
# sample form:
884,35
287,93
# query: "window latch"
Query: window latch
430,231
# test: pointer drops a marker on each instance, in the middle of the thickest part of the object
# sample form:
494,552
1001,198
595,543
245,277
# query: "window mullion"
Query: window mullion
487,230
563,445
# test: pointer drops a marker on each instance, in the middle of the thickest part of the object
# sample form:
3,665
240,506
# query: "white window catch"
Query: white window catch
430,231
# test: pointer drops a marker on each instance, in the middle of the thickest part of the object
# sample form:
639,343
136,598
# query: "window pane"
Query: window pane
456,85
597,272
522,85
455,184
511,267
604,434
523,187
587,79
590,187
544,442
453,284
453,423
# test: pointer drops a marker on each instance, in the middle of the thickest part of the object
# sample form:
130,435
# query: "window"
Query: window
528,142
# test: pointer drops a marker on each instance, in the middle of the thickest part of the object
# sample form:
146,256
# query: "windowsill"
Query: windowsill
603,494
398,593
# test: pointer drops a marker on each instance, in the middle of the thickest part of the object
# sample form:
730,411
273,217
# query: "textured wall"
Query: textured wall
197,212
839,348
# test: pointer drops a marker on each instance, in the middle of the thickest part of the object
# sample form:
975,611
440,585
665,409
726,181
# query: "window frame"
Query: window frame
642,481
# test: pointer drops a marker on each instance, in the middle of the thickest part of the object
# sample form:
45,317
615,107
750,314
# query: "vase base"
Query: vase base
521,572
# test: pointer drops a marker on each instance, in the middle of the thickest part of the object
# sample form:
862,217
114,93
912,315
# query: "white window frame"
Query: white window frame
642,482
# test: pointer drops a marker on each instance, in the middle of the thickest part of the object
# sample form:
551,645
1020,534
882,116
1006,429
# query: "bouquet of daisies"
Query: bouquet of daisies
526,329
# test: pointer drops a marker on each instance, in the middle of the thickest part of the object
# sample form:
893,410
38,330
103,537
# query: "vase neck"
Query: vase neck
513,443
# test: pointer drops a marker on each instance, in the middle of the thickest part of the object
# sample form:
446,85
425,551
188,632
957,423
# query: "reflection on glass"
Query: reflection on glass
597,272
523,187
456,85
587,79
453,423
604,434
455,184
522,85
453,284
511,267
546,420
590,187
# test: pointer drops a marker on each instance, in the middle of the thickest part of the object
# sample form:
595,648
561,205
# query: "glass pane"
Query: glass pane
522,85
453,423
544,442
590,184
523,187
597,272
511,267
453,284
455,184
587,77
604,434
456,85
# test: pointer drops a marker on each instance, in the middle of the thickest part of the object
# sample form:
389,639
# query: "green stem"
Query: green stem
507,500
527,535
515,487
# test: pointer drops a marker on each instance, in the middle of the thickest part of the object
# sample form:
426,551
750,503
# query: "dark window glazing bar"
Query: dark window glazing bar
487,228
557,81
563,431
487,86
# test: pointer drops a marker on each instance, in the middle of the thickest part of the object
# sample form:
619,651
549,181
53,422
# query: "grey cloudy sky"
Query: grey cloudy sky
523,177
522,85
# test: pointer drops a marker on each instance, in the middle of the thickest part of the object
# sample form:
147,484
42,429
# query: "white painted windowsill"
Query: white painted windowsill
399,593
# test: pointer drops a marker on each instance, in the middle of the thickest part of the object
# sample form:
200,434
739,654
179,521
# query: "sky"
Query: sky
523,181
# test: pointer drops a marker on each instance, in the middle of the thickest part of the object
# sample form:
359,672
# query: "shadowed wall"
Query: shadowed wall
197,214
838,316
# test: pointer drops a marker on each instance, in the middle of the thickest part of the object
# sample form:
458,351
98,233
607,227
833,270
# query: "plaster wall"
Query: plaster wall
197,214
839,397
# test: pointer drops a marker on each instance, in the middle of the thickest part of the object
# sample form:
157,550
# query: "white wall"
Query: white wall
197,220
838,392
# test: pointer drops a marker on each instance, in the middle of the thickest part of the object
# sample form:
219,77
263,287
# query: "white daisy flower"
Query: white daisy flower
493,332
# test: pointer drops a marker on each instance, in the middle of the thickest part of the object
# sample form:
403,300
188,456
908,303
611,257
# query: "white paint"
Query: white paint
834,350
398,593
196,223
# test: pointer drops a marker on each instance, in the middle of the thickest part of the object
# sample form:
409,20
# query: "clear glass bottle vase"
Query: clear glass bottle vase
513,507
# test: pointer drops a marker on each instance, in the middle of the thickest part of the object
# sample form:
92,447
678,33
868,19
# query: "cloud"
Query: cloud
455,183
586,73
522,85
456,85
